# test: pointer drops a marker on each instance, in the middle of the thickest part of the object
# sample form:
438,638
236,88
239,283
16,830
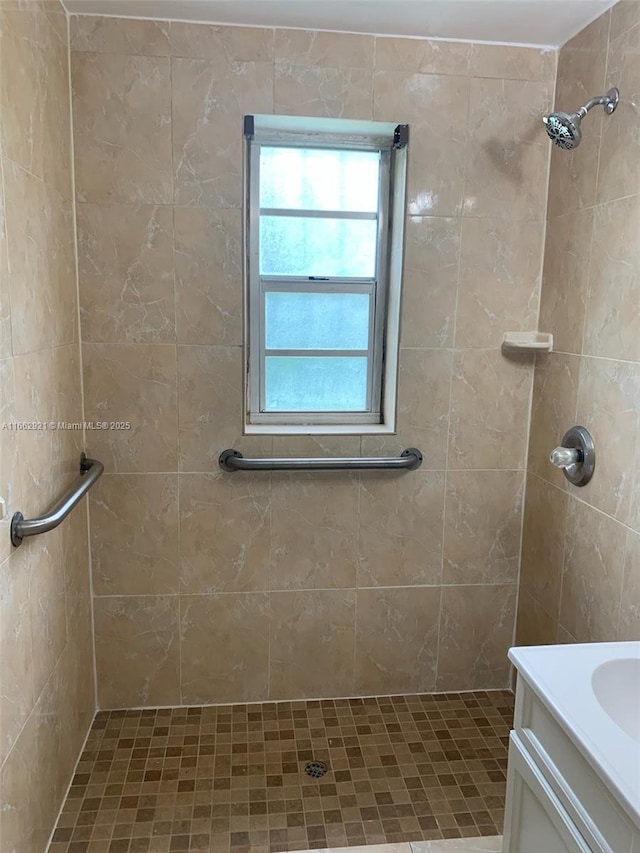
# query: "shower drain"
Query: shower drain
315,769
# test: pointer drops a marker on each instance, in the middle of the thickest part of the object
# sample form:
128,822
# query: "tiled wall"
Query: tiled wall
581,550
213,587
46,659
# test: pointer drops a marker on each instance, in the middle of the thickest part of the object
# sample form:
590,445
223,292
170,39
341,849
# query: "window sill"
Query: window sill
328,429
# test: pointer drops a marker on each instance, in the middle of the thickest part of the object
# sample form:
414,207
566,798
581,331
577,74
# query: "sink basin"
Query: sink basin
616,685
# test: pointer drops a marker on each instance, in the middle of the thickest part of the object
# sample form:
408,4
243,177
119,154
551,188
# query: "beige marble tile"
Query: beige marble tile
422,56
619,165
593,574
74,549
48,391
629,619
483,521
565,280
534,626
5,303
76,686
223,44
33,91
508,151
125,266
489,410
40,247
314,530
609,407
136,384
543,543
316,445
54,764
614,281
56,107
400,541
209,288
581,72
125,260
134,534
210,407
19,793
553,411
47,605
312,643
323,49
633,518
500,277
208,101
430,281
224,532
137,641
624,15
10,480
424,383
476,630
95,34
331,92
225,648
564,636
16,670
509,62
122,128
436,107
396,640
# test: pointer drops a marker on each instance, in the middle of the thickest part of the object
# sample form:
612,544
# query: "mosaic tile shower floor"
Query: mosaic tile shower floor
231,779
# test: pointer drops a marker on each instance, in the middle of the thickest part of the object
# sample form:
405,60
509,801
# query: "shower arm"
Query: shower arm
608,101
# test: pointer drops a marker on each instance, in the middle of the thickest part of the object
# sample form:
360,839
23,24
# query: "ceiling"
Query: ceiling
533,22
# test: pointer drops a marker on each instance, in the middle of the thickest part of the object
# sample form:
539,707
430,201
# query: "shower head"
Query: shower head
563,129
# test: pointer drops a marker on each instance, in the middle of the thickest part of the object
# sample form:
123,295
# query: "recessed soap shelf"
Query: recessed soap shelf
521,342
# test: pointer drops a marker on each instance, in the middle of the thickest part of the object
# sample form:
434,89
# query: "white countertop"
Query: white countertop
561,678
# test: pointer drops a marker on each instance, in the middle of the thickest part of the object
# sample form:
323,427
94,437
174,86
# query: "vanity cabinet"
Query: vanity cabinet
556,803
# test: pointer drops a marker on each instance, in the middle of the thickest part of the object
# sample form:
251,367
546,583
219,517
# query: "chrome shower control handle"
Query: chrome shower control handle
576,456
565,457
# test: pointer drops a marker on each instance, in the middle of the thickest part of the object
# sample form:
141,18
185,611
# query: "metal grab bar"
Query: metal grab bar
90,471
409,460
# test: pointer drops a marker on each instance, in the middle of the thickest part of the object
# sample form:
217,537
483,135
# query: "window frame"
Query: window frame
384,306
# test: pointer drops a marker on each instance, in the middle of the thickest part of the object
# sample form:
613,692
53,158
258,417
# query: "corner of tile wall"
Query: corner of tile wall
580,573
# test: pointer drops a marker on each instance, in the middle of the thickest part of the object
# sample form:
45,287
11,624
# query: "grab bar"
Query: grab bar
409,460
90,471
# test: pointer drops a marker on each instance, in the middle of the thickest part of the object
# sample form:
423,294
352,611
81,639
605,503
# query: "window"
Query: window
324,214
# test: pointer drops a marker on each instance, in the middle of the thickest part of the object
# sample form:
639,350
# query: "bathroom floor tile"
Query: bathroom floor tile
234,778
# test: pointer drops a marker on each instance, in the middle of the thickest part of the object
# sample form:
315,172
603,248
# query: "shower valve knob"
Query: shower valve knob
564,457
576,456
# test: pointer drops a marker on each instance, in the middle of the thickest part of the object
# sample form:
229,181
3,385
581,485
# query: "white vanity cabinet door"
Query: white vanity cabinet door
535,820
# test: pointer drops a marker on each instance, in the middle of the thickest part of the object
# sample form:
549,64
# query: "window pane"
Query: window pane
317,179
315,384
317,320
317,247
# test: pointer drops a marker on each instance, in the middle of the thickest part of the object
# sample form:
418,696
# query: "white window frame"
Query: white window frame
384,287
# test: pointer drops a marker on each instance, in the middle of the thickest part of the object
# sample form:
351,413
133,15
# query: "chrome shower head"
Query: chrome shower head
563,129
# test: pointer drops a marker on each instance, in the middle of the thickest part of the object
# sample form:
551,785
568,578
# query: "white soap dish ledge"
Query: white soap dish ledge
527,342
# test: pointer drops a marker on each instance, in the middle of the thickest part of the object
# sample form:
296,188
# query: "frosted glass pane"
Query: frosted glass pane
315,384
293,245
316,179
317,320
